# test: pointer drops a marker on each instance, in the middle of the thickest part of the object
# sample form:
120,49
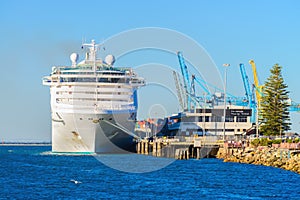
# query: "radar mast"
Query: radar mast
92,54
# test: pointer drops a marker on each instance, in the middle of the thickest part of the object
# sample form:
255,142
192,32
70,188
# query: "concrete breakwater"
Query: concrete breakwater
288,159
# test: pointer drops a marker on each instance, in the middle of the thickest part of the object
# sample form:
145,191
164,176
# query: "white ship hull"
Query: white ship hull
85,133
93,105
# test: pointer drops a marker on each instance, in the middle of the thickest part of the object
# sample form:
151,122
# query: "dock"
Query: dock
179,147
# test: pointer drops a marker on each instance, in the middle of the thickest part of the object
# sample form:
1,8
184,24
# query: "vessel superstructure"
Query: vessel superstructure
93,104
210,121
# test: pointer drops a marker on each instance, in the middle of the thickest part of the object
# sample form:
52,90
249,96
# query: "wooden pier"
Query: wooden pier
180,148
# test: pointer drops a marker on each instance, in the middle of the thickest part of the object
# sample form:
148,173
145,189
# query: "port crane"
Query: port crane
186,80
181,93
189,86
205,89
294,106
190,94
259,91
248,92
217,97
258,88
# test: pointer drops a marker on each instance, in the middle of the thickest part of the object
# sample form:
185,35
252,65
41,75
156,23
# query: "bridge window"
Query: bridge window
229,130
207,118
103,80
241,119
216,118
229,119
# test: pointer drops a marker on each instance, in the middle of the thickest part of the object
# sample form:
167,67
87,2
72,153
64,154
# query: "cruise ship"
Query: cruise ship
93,104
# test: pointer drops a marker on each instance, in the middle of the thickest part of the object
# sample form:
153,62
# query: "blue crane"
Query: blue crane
249,93
246,83
199,83
181,93
186,80
189,87
231,99
294,106
207,97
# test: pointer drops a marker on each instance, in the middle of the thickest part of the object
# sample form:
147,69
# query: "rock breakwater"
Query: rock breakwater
269,156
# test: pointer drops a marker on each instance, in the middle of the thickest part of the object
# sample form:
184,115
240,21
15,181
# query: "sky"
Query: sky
35,35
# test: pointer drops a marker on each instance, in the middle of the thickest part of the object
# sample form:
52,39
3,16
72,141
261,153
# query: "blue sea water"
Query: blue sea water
29,172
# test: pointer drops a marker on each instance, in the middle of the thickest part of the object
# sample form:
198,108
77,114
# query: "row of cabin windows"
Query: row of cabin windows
98,86
86,92
101,80
85,72
58,100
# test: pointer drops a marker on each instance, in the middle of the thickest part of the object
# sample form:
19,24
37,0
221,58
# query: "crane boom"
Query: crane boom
249,94
201,85
246,83
188,91
186,80
180,91
256,83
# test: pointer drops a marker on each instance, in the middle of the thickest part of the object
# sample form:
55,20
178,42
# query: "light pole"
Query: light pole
224,111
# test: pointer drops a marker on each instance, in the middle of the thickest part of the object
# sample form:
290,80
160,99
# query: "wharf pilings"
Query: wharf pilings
183,148
280,156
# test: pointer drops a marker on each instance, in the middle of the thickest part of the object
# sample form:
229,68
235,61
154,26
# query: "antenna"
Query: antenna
92,55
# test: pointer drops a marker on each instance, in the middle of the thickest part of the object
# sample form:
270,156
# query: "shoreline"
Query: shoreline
284,158
287,159
26,144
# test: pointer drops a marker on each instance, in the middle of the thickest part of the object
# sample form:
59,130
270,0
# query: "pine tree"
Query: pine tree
274,113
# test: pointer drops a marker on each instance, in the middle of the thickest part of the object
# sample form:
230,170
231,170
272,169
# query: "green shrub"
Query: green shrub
264,142
289,140
255,142
276,141
261,142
